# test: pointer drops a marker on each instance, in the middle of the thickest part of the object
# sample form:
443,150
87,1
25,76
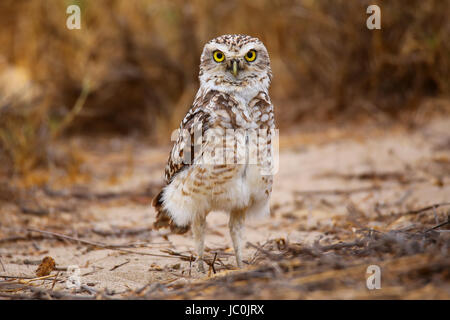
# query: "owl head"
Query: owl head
235,62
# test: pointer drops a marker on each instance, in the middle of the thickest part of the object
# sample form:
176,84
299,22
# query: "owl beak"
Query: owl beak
234,68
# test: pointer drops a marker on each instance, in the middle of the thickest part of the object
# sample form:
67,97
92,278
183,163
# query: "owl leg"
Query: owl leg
198,228
236,225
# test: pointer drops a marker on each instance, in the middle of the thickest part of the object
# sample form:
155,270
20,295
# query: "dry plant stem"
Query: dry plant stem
266,253
341,245
14,277
54,281
212,264
79,104
439,225
434,206
119,265
121,232
35,279
97,244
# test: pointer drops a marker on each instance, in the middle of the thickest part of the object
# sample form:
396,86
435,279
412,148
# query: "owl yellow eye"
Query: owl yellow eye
218,56
250,56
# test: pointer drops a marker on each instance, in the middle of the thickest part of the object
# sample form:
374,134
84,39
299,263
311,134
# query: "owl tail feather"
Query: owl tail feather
163,220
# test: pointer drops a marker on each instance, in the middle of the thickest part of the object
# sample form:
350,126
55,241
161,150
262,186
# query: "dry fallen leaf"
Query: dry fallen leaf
47,265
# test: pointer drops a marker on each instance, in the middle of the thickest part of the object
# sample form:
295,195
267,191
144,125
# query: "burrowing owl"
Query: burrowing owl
231,105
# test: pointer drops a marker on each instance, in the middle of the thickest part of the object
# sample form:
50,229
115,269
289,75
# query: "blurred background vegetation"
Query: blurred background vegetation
132,68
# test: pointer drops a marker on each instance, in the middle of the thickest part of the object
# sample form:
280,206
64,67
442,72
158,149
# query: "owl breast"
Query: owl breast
229,173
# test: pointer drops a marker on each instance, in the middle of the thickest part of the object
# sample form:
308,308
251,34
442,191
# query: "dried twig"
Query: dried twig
97,244
50,276
341,245
15,277
434,206
121,232
265,252
439,225
119,265
54,281
212,264
177,254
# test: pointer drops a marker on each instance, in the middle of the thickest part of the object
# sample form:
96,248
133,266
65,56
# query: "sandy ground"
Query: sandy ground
331,186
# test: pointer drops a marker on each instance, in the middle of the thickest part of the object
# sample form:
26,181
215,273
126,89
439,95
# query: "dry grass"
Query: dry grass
132,68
